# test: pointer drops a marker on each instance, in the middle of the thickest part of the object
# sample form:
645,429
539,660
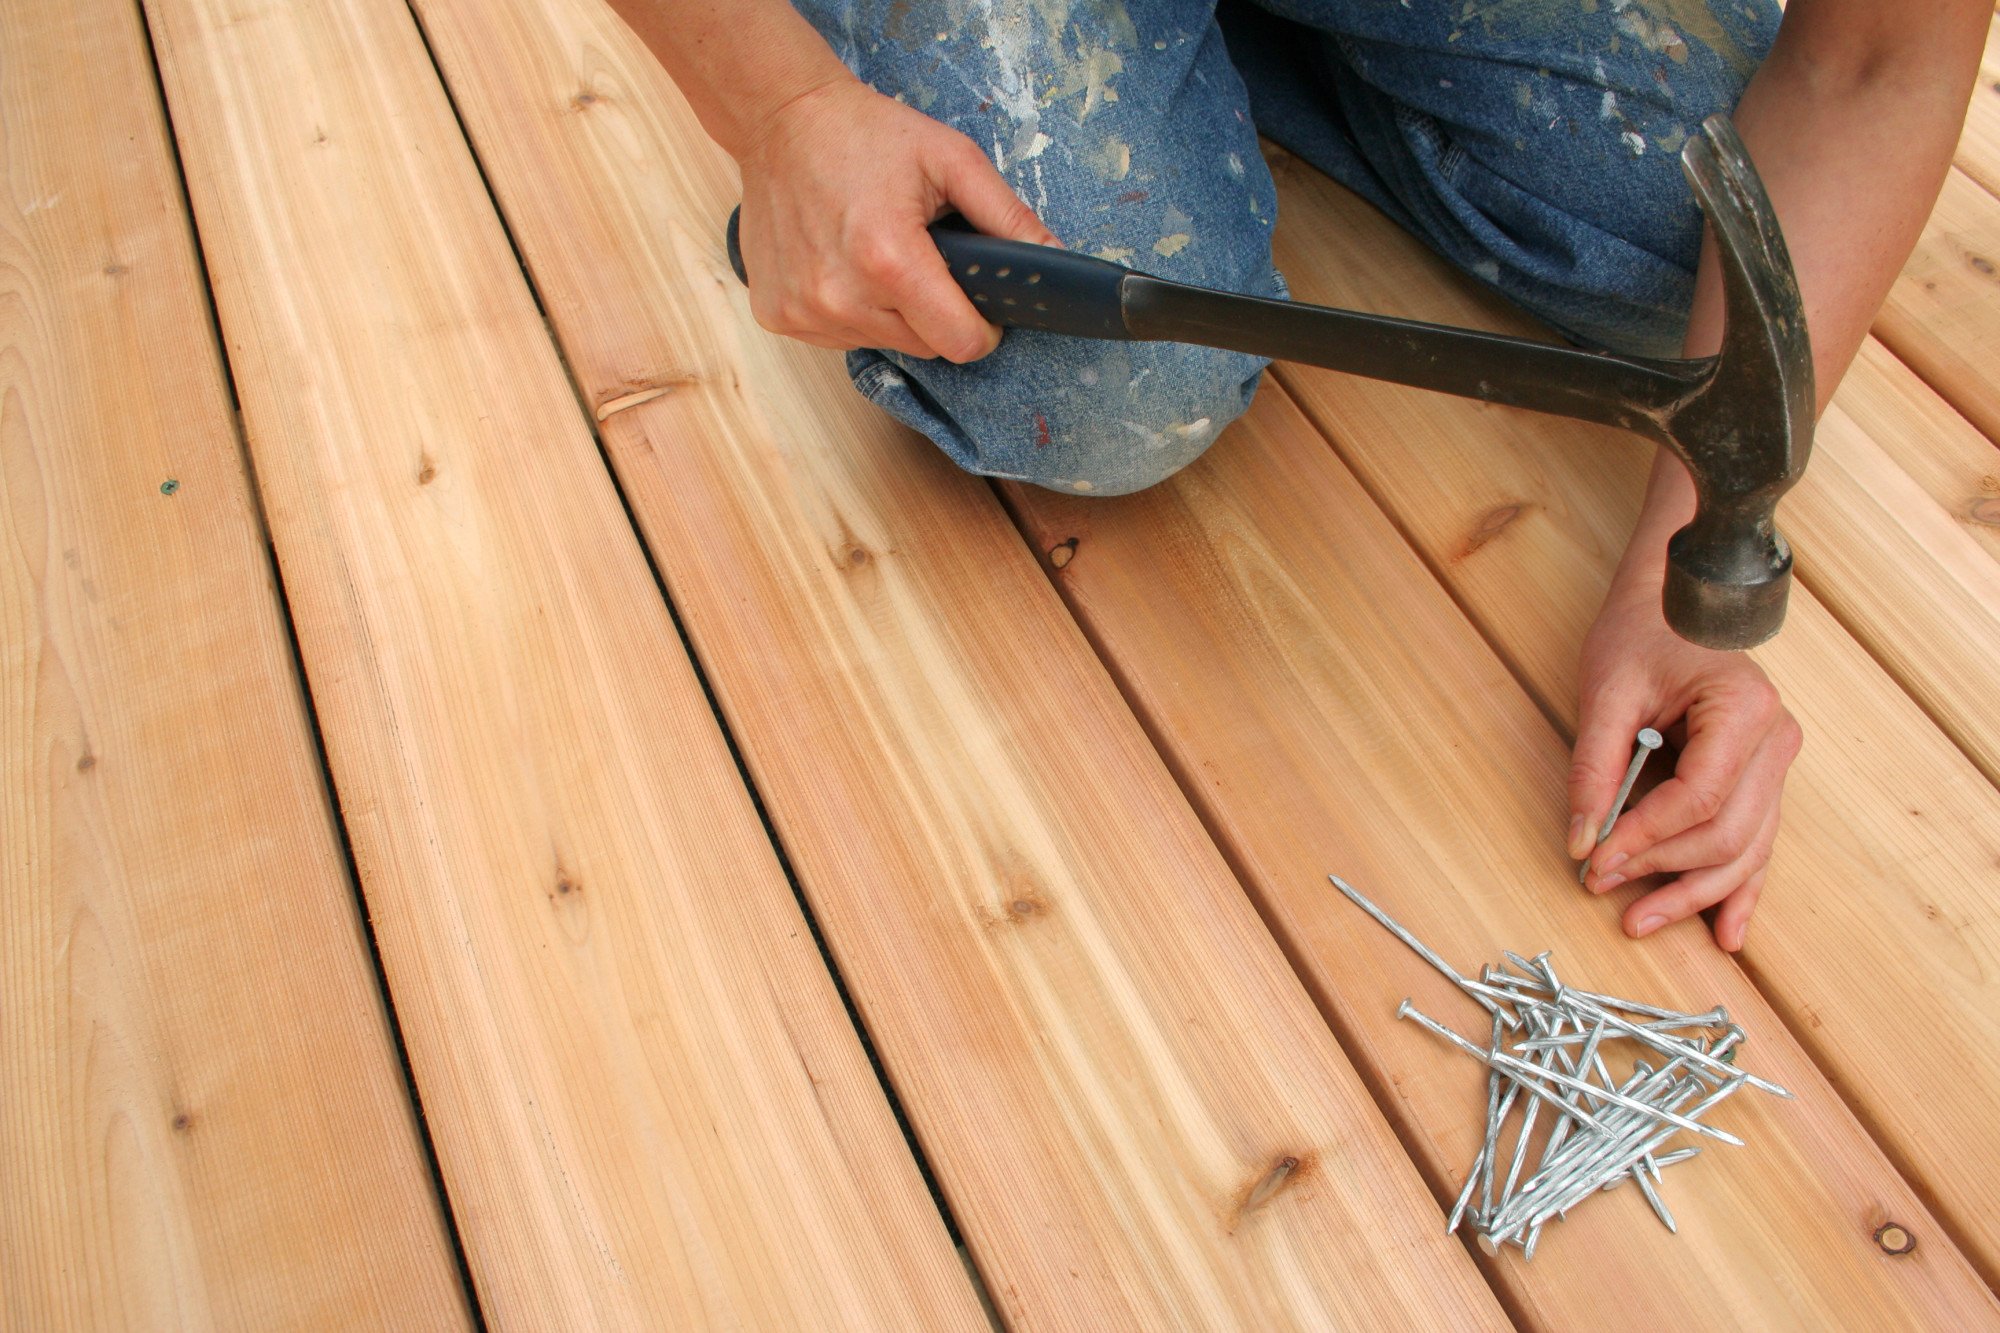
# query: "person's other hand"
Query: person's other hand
1711,824
838,189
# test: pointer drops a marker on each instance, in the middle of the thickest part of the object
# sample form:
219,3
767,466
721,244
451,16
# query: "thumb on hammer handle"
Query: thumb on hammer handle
1013,283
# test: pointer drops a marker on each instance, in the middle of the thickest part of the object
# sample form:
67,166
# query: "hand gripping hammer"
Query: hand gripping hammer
1742,421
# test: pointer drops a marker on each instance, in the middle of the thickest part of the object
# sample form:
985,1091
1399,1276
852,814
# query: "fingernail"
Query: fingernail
1649,924
1579,842
1606,883
1614,861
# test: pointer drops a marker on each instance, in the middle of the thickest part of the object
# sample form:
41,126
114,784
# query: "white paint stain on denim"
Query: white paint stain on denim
1653,34
1041,52
1012,67
1089,73
1113,159
1185,431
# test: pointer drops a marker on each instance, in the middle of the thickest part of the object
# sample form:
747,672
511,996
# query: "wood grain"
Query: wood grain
1936,447
1942,316
1879,920
650,1107
1330,709
1100,1046
1978,153
202,1119
1898,524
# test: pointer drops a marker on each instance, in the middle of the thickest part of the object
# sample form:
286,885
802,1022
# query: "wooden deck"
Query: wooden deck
526,801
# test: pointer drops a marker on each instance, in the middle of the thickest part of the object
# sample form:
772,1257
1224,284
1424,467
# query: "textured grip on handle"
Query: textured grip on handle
1016,284
1036,286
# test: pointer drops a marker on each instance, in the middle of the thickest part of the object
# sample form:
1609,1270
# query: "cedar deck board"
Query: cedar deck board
204,1121
1930,442
1330,709
1879,917
648,1103
1895,419
1942,315
1898,528
1095,1038
1978,153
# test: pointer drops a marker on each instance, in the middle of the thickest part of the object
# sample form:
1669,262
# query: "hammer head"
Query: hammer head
1745,430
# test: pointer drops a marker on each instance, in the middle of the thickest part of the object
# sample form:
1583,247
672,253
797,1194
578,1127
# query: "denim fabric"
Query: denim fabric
1533,143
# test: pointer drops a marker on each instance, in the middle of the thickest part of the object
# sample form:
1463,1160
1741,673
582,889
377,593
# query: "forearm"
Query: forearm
736,61
1851,121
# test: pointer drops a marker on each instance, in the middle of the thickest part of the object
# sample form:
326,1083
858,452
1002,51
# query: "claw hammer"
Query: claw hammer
1741,421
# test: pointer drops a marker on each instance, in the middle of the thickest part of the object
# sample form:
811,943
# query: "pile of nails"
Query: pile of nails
1547,1052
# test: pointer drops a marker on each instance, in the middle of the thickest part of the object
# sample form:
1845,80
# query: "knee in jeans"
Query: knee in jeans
1142,415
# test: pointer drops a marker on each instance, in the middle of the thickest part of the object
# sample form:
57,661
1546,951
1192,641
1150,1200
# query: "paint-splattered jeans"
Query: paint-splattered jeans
1533,143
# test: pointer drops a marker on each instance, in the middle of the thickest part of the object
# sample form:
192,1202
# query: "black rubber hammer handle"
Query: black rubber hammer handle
1016,284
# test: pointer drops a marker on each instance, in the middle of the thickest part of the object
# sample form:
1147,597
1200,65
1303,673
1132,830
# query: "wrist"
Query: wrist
1669,506
759,127
737,62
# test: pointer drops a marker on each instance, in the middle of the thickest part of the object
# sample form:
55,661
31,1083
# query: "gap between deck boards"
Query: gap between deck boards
1884,1140
1371,1076
596,413
275,573
330,790
593,416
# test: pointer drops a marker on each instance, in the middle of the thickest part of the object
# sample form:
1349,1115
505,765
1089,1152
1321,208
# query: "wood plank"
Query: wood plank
1878,920
650,1107
205,1123
1330,709
1910,573
1942,316
1098,1042
1933,445
1978,153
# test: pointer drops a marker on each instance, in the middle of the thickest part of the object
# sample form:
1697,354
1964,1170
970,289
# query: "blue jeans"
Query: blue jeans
1533,145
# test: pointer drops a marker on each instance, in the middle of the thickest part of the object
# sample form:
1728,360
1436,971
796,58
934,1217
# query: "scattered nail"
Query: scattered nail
1605,1132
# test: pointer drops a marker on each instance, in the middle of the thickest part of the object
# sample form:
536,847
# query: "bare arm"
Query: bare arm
1851,121
839,181
738,62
